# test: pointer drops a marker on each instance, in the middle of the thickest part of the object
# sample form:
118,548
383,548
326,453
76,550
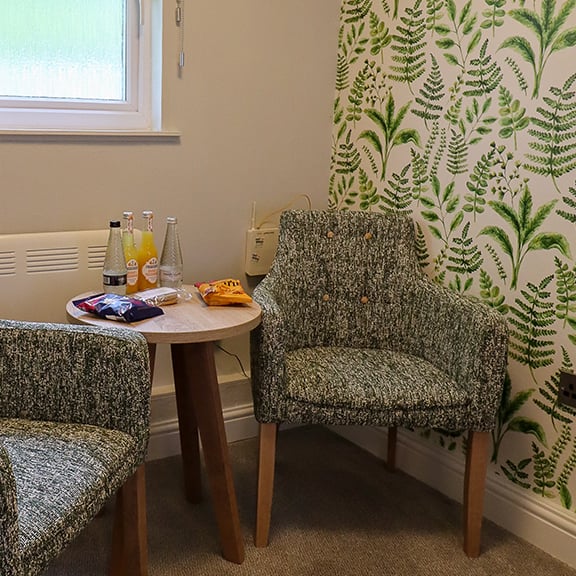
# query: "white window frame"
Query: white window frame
140,111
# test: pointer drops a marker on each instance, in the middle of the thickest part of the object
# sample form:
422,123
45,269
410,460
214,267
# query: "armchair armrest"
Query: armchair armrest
463,338
77,374
268,343
8,518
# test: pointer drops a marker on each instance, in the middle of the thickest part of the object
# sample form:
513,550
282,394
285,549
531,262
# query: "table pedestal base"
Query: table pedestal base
200,410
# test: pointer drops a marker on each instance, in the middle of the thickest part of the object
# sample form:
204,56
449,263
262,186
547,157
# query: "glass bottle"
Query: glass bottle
114,270
171,266
147,255
130,253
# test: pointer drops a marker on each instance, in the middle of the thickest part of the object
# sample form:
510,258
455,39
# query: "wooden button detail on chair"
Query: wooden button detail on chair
330,234
364,299
368,236
326,297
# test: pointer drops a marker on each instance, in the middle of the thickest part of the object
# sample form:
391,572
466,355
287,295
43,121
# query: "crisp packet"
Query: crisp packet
116,307
223,292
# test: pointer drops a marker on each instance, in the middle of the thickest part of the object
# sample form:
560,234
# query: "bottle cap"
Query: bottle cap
172,220
114,223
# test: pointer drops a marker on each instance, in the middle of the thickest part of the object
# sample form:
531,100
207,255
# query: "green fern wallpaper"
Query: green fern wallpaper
463,114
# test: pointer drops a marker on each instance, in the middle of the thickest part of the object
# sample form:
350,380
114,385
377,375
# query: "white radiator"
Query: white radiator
40,272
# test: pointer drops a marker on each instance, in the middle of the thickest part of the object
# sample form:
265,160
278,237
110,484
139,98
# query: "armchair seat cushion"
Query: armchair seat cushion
360,379
64,473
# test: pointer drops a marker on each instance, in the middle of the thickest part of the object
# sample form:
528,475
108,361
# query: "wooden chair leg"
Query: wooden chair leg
474,485
391,459
265,490
129,540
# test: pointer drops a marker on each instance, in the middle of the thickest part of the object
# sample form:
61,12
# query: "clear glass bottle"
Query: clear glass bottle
130,253
147,255
114,270
171,266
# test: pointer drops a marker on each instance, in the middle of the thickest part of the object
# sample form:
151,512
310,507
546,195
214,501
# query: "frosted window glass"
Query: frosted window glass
63,49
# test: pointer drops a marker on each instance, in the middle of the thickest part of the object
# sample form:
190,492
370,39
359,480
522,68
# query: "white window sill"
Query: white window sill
89,135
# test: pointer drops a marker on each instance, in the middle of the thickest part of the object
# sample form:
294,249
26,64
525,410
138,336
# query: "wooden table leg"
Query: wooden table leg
187,426
152,357
203,387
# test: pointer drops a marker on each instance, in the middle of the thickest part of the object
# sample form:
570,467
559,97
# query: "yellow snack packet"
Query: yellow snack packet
223,292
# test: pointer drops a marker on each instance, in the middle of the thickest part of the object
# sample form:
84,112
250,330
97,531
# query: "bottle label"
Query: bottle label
114,279
150,270
170,275
132,277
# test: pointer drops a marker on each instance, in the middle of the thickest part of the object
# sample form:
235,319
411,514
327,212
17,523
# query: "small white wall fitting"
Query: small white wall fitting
261,244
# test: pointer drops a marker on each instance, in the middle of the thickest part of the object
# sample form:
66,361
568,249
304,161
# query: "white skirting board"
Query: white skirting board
519,511
531,518
165,440
237,409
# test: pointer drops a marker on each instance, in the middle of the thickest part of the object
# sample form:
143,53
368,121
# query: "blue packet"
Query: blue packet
117,307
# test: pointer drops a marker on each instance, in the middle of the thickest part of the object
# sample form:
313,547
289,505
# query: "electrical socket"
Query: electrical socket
567,389
261,244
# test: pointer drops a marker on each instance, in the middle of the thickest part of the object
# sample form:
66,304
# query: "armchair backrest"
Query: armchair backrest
67,373
341,278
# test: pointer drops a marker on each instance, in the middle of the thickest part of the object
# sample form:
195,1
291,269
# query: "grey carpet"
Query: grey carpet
337,511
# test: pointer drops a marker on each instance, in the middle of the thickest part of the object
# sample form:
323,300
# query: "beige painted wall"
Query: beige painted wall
254,109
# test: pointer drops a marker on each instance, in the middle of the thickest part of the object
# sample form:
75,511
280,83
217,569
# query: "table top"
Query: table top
185,322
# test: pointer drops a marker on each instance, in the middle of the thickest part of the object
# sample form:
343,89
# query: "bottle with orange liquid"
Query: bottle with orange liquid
147,255
130,253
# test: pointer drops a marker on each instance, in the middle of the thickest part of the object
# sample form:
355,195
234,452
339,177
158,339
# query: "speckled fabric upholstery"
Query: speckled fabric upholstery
74,426
353,332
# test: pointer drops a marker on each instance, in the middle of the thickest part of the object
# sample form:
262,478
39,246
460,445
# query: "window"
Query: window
76,65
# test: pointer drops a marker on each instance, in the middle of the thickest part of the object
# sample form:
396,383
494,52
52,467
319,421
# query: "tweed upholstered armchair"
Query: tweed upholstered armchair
74,426
353,333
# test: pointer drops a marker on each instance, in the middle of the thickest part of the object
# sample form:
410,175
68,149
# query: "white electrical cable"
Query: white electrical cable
265,219
253,216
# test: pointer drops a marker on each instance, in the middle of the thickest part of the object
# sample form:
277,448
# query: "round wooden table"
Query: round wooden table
191,327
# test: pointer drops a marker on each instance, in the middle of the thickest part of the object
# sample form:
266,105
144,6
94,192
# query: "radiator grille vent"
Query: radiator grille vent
8,263
96,256
44,260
